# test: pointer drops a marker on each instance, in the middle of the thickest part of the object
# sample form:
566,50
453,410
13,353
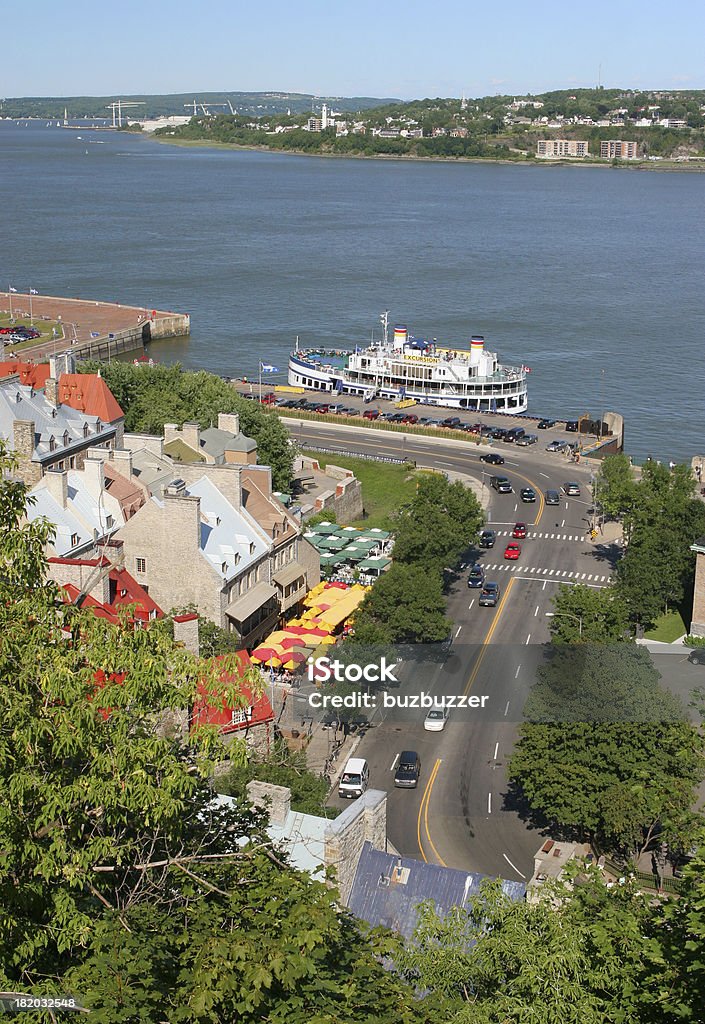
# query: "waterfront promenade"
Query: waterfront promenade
86,325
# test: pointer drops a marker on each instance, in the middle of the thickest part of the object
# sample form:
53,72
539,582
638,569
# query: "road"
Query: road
462,814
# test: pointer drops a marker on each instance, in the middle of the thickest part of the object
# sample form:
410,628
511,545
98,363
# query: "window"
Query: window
224,568
52,443
85,430
109,523
141,564
241,716
75,539
67,437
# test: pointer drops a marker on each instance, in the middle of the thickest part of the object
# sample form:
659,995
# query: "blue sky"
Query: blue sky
403,48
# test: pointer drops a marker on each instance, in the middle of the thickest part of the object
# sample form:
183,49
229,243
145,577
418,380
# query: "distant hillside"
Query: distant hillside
254,104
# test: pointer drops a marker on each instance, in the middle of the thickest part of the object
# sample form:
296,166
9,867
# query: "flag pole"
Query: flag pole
9,292
31,318
260,381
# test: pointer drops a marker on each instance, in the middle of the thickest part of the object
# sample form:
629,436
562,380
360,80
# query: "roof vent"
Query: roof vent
383,881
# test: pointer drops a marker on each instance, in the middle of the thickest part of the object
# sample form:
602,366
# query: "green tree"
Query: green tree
588,615
405,606
282,767
213,640
614,487
438,524
606,753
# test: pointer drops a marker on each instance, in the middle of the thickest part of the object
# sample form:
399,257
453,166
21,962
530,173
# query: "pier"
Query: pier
89,329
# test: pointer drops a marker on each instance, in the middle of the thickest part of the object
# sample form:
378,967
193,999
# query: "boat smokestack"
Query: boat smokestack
477,347
401,338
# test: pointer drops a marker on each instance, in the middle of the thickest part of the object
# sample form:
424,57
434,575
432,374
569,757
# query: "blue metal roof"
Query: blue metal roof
379,899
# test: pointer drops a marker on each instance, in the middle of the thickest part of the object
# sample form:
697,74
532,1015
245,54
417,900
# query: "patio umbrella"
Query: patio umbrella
294,658
292,641
316,631
274,662
275,638
263,654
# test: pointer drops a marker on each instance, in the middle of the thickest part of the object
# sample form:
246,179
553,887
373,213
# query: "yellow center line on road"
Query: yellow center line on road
426,800
423,813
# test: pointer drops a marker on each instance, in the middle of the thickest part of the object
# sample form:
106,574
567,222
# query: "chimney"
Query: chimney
275,799
60,364
57,485
24,438
51,392
182,519
94,476
122,459
191,435
229,421
186,632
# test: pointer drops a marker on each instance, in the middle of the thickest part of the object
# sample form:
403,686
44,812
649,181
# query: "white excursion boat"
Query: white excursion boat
413,368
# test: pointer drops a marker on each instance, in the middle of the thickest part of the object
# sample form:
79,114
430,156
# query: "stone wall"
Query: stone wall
337,489
365,820
697,626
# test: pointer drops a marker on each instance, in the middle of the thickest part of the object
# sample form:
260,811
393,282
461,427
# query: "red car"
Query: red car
519,530
512,552
370,414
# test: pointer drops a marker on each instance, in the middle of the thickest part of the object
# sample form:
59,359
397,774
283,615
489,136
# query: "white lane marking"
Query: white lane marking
545,475
568,583
471,604
517,671
544,571
544,584
590,576
583,576
496,749
457,632
513,866
506,709
570,575
489,803
532,569
537,611
528,638
563,523
395,762
516,506
552,536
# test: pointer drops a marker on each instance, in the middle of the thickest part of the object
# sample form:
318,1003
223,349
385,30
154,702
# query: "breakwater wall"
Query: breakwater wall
132,339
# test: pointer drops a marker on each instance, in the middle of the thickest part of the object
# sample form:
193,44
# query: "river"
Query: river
591,276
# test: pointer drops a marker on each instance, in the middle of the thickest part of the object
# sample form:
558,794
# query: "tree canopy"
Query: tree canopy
588,614
439,523
406,605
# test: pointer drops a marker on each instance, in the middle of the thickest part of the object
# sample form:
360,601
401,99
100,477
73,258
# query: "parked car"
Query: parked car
555,446
408,770
553,498
370,414
476,577
493,459
512,435
489,596
512,552
545,424
528,494
451,422
487,538
519,531
572,489
410,417
526,440
572,426
499,433
697,656
435,720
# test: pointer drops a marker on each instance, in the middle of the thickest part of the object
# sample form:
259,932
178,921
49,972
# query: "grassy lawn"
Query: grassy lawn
44,327
669,627
384,487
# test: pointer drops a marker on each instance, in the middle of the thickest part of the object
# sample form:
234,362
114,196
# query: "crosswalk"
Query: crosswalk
545,536
562,574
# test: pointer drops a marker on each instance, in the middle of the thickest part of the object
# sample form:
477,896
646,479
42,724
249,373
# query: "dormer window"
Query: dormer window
109,523
74,540
67,437
224,567
85,430
52,443
252,548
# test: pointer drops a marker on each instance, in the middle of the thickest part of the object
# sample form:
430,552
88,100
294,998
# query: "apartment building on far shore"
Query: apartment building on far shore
557,149
617,149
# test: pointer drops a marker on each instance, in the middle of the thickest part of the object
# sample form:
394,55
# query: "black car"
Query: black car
487,538
450,421
476,577
697,656
408,770
493,458
572,426
545,424
499,433
528,494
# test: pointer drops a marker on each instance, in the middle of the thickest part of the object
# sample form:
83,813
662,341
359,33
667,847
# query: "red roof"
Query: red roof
32,374
125,591
89,393
254,711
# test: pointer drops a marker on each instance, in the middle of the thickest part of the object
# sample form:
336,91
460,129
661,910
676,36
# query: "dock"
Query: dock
90,329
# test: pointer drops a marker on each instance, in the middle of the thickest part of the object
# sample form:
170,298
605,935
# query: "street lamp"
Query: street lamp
568,615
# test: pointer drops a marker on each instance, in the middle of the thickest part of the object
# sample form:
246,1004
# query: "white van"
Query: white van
355,778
